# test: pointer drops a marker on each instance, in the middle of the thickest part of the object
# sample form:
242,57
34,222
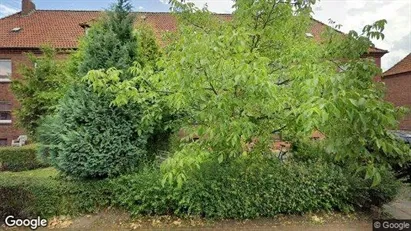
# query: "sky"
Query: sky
351,14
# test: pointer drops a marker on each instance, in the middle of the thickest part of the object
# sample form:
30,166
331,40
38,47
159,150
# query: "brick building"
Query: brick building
28,30
398,82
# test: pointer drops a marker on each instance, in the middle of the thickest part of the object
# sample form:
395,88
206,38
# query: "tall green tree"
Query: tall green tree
43,83
96,139
238,82
111,42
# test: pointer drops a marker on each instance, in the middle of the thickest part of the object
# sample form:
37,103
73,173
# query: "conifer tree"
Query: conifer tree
96,139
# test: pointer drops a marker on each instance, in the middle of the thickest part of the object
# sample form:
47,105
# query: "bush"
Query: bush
19,158
246,188
142,193
88,138
364,196
41,193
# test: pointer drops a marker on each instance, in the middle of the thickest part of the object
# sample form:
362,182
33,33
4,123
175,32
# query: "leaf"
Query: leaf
361,102
221,159
376,179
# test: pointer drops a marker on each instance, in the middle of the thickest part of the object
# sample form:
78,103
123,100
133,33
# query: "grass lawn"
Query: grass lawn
37,173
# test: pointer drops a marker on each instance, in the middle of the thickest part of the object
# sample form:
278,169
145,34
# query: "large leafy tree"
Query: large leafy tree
43,83
240,81
96,139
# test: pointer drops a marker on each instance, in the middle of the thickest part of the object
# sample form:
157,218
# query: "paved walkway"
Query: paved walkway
401,207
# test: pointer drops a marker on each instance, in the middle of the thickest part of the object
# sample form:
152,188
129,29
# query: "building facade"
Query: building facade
397,80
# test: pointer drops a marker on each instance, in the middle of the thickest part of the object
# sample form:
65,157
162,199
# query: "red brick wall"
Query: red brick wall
377,59
9,131
18,57
399,93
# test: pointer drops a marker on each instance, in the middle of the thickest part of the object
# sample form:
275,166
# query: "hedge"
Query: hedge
240,190
251,188
42,193
19,158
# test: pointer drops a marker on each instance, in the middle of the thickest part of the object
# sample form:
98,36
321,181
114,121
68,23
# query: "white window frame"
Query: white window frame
8,78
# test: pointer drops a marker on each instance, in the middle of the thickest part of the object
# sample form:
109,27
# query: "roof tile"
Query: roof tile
63,28
402,66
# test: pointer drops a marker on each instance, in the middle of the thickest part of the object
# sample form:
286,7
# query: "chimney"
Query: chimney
27,6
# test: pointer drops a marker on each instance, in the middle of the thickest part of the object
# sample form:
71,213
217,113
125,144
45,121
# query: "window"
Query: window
5,70
5,112
5,115
3,142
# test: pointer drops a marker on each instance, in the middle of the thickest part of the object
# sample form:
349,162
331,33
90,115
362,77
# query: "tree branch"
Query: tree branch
280,129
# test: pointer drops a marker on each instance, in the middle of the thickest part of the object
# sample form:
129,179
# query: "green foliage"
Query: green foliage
246,188
89,137
142,193
364,194
110,42
148,50
252,187
242,80
42,193
93,140
19,158
43,83
364,191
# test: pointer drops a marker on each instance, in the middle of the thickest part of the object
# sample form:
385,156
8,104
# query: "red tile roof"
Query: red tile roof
401,67
59,29
62,28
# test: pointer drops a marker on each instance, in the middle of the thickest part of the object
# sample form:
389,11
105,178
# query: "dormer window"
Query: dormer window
16,29
85,26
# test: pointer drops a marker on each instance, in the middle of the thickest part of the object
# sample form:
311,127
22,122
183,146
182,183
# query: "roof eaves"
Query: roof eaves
12,15
396,74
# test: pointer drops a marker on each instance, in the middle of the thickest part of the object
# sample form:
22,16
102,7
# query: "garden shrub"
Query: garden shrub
252,187
142,193
364,196
245,188
93,139
19,158
362,191
41,193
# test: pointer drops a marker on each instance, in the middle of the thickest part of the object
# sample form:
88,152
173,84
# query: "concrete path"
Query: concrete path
400,208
